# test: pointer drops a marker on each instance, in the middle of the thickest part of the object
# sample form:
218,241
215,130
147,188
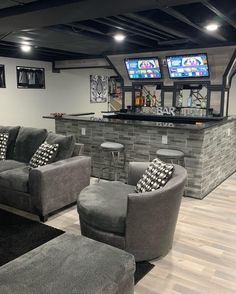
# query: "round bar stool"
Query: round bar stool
114,149
171,155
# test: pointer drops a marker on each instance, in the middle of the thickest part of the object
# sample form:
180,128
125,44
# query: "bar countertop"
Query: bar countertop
161,124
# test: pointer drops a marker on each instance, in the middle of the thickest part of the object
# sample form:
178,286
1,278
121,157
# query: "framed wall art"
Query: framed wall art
30,77
98,89
2,76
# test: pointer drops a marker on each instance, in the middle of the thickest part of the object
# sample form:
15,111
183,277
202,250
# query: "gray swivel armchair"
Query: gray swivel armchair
140,223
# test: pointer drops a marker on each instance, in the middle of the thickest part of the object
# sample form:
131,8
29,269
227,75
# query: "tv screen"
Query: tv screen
188,66
143,68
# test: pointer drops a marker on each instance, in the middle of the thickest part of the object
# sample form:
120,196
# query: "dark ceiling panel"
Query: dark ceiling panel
68,40
10,3
6,4
198,13
45,13
68,29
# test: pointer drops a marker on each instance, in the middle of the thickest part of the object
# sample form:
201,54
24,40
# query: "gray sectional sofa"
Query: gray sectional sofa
48,188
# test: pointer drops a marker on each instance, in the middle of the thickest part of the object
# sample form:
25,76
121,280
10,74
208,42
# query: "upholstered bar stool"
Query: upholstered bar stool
114,150
171,155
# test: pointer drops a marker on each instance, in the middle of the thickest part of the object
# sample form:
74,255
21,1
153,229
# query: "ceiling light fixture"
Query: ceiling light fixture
119,37
212,27
25,48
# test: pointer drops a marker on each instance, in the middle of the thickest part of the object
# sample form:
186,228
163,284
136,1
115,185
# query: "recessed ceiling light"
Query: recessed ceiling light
25,48
212,27
119,37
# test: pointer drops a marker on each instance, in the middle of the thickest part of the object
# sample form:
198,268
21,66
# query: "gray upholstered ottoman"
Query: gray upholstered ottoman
69,264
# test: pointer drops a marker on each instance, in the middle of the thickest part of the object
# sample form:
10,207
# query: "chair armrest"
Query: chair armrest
78,150
58,184
135,171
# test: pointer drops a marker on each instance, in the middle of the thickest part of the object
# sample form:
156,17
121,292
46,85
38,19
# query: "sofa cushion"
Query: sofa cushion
16,179
45,154
66,145
104,205
12,131
156,176
3,145
27,142
10,164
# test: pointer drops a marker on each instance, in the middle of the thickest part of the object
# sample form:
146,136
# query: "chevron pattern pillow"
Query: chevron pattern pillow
156,176
3,145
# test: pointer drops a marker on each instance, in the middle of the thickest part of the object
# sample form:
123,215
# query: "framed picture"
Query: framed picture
30,77
2,76
98,89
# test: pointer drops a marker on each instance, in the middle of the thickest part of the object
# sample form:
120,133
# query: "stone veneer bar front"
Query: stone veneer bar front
209,148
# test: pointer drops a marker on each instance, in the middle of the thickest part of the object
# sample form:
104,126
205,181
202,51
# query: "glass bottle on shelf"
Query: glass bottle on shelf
154,99
189,101
203,103
137,101
180,99
148,100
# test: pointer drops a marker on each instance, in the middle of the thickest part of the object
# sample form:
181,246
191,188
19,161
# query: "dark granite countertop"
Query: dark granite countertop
197,126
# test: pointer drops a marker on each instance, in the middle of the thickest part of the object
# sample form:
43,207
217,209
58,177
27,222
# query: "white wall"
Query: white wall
68,91
232,97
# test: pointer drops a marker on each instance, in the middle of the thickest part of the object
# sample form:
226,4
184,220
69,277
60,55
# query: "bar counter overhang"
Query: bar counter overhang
209,147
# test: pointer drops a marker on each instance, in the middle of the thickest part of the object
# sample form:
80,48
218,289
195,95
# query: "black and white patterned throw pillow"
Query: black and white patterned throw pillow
44,155
3,145
156,176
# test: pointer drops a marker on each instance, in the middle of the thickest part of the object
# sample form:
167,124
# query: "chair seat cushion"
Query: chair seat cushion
10,164
104,205
16,179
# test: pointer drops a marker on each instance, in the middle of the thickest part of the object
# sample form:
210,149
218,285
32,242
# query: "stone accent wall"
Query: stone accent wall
210,154
219,155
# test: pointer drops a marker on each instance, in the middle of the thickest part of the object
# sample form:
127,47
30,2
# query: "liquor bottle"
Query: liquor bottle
154,99
137,101
180,99
142,100
203,103
189,102
148,100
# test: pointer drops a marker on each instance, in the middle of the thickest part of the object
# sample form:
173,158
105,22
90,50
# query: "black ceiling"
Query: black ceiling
82,29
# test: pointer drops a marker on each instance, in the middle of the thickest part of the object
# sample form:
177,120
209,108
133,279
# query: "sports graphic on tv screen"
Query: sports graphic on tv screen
143,68
188,66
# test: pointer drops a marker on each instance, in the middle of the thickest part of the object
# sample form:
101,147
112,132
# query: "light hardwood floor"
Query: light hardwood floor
203,257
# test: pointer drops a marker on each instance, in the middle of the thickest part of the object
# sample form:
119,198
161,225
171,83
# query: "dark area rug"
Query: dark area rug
19,235
142,268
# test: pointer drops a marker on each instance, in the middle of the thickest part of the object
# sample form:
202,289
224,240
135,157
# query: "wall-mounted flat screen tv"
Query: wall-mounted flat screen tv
188,66
143,68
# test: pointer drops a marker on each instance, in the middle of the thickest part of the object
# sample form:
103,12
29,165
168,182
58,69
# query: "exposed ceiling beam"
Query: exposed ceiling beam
174,13
174,42
170,3
41,13
15,46
161,27
134,29
3,36
129,30
214,9
143,26
96,31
